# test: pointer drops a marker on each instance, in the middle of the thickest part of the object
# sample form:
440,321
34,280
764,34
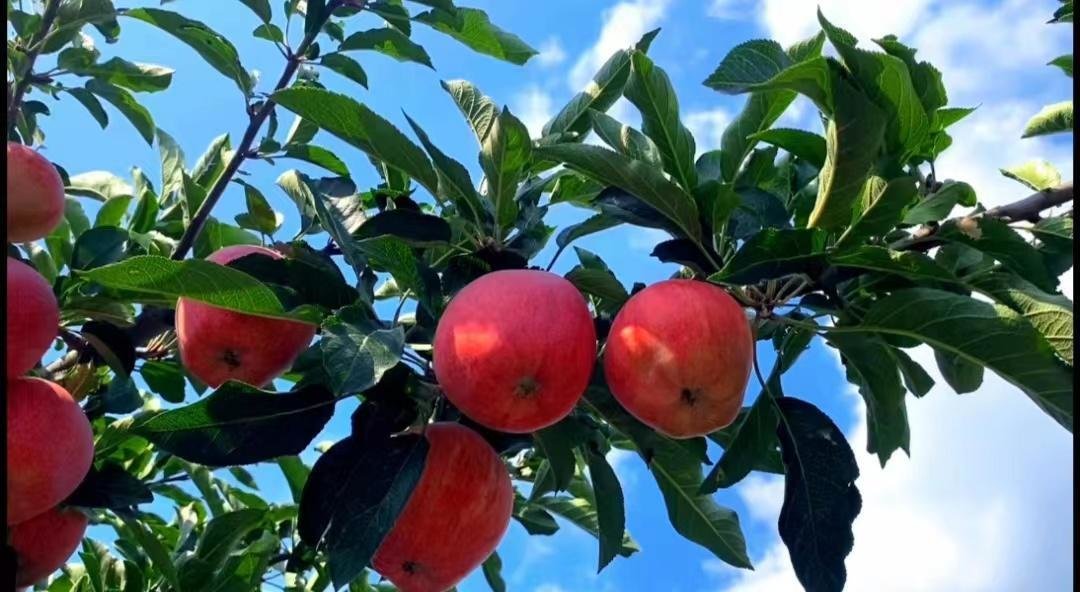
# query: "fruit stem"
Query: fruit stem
243,150
48,16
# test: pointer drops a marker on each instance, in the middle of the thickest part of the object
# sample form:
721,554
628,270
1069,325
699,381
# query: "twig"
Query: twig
1029,208
16,97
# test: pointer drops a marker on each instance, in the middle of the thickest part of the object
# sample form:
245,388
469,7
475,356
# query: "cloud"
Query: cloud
624,24
534,107
732,9
707,126
551,53
788,21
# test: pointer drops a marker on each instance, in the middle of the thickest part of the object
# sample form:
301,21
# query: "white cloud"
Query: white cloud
788,21
707,127
624,24
534,107
551,53
732,9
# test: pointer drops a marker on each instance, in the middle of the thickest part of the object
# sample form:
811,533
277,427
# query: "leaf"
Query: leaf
164,378
601,93
980,333
318,156
126,104
394,14
635,177
1052,119
308,278
908,264
610,511
756,210
996,239
413,227
753,447
761,110
390,42
492,569
591,225
473,28
504,154
820,497
557,442
130,75
224,533
478,108
211,45
1050,314
149,543
98,247
112,212
346,66
917,381
583,514
806,145
454,182
625,139
650,90
885,211
773,253
261,8
1038,175
109,486
964,376
88,100
360,127
270,32
393,255
853,137
1065,62
871,368
355,356
296,474
937,206
239,424
748,64
259,217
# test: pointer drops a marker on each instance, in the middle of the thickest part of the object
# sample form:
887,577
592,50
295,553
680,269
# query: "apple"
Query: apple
32,317
678,357
35,194
217,345
455,517
50,447
44,543
514,349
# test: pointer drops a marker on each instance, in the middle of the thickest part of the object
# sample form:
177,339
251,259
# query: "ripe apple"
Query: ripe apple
43,543
678,357
32,317
455,517
35,194
217,345
50,447
515,349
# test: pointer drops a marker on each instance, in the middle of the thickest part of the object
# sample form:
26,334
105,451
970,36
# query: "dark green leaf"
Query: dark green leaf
882,214
582,512
753,447
478,108
996,239
164,378
98,247
610,511
492,568
504,154
625,139
261,8
1065,62
454,183
761,110
346,66
224,533
390,42
109,487
806,145
937,206
413,227
1050,314
473,28
773,253
748,64
909,264
963,375
356,355
650,90
557,442
871,368
126,104
88,100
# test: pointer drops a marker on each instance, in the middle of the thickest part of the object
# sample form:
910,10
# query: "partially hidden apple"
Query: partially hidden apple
455,517
514,349
678,357
50,447
35,194
217,345
44,543
32,317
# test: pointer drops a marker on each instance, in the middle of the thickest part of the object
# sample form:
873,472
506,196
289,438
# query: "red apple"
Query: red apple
35,194
454,519
32,317
50,446
678,357
217,345
514,350
43,543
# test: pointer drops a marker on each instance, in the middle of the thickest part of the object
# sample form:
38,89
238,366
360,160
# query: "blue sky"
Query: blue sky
985,502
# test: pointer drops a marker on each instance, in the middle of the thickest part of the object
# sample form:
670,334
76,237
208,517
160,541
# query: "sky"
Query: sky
984,503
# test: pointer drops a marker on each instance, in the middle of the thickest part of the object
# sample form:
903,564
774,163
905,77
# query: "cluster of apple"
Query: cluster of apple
50,445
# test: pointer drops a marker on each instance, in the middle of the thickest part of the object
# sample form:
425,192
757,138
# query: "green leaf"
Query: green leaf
773,253
998,240
1052,119
1065,62
132,76
390,254
110,486
390,42
296,474
753,447
112,212
164,378
761,110
479,110
1055,237
912,265
126,104
853,137
806,145
748,64
625,139
504,154
678,475
261,8
591,225
610,511
917,381
360,127
318,156
557,443
635,177
454,183
346,66
1050,314
606,87
149,543
415,228
355,355
937,207
88,100
963,375
582,513
211,45
492,569
212,162
473,28
600,284
872,369
820,497
1039,175
393,13
980,333
270,32
239,424
222,535
650,90
259,217
217,235
884,212
98,247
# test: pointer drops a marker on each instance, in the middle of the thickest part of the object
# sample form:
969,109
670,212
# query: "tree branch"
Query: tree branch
1028,209
35,46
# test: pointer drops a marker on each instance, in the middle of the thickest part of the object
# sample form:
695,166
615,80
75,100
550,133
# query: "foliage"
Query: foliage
841,235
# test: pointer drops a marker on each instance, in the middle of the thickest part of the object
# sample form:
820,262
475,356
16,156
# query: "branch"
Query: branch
1028,209
35,46
243,150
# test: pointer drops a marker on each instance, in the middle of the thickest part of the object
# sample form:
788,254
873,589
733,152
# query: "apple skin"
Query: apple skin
50,447
455,517
514,350
45,542
217,345
35,194
678,357
32,317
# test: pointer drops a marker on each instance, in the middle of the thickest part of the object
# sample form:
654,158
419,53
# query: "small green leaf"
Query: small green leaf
753,447
773,253
126,104
937,207
1065,62
356,355
806,145
270,32
1052,119
473,28
872,369
261,8
492,569
346,66
963,375
610,511
98,247
1039,175
88,100
130,75
318,156
883,213
504,154
625,139
479,110
390,42
747,64
164,378
650,90
606,87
